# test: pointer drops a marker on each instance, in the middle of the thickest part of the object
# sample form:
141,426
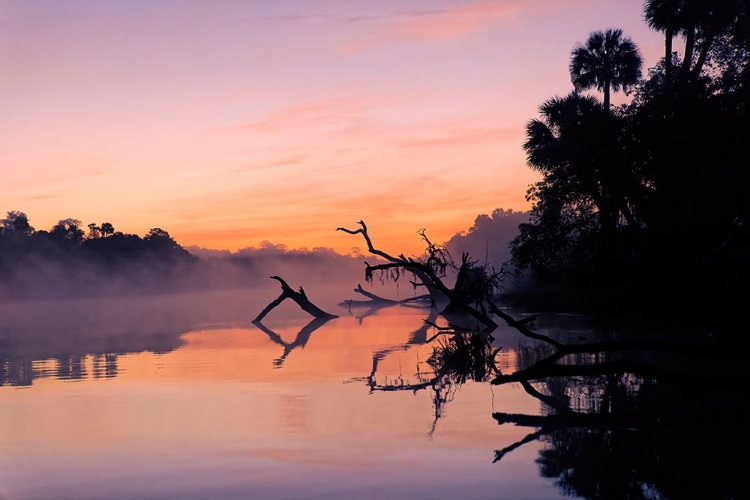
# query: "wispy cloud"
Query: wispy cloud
286,161
452,22
319,113
461,136
291,160
429,25
42,197
56,177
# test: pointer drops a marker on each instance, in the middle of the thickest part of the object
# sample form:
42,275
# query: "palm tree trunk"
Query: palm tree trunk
669,34
695,73
689,48
606,96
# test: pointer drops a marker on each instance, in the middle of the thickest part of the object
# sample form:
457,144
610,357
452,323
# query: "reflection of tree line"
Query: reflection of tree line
635,418
28,356
618,419
22,372
641,438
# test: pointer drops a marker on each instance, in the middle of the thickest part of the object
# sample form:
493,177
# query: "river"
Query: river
182,397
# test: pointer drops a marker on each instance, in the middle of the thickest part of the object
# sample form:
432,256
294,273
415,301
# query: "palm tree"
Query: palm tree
698,21
664,15
575,145
553,138
606,61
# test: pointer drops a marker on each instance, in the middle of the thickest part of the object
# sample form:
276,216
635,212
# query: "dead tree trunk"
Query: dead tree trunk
399,262
425,272
376,301
299,297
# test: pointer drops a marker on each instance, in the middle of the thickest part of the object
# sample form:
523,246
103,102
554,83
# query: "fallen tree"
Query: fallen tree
299,297
466,352
377,302
474,284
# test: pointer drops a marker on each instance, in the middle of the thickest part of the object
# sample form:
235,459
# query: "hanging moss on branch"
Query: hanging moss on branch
474,286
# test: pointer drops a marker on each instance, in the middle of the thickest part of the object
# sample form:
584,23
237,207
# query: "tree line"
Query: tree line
68,260
67,240
72,259
653,191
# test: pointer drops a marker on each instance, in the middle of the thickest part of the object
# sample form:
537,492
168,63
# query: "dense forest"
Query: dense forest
646,201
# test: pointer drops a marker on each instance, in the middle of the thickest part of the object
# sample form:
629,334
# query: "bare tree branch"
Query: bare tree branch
299,297
363,231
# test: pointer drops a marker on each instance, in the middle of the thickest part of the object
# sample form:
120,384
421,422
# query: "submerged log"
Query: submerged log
376,301
299,297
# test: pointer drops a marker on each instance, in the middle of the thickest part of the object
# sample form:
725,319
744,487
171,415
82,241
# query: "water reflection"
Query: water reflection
635,419
214,418
456,358
79,339
640,418
639,438
97,357
216,412
303,336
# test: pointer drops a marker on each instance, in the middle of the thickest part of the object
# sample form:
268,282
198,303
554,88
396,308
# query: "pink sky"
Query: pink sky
230,123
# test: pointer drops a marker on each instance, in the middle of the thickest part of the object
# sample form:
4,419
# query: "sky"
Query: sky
230,123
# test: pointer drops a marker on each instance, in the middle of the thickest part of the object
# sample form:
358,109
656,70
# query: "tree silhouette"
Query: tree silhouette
67,260
667,163
575,142
475,283
582,150
663,15
607,61
17,223
107,229
94,231
69,231
701,22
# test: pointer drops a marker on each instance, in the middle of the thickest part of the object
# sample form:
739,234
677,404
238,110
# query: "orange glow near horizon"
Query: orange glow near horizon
232,124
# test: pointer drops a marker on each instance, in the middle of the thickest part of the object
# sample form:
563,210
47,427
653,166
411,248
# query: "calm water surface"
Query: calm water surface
225,410
149,398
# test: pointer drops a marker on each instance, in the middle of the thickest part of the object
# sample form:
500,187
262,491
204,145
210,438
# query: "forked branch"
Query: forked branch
299,297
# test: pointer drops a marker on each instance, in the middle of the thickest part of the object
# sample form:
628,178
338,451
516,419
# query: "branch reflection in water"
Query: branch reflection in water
300,340
634,418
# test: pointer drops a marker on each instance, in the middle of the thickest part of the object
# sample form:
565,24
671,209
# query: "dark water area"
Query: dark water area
180,396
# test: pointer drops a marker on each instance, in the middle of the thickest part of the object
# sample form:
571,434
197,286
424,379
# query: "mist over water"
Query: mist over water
39,279
178,395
